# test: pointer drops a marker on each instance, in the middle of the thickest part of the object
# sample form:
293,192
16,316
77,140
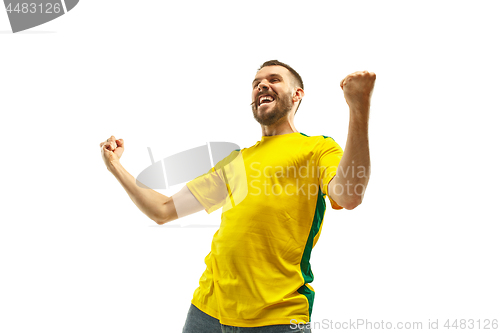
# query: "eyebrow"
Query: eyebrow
271,75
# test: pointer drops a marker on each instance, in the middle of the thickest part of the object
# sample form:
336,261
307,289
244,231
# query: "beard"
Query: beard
280,109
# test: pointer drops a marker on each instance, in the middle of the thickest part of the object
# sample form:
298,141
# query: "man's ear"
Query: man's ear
299,94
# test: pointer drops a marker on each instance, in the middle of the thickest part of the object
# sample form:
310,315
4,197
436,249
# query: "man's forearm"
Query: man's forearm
150,202
353,171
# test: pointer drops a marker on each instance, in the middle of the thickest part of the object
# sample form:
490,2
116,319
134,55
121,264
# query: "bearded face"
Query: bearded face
268,107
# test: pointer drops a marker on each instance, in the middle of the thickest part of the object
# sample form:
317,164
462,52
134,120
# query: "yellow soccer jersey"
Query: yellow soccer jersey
273,194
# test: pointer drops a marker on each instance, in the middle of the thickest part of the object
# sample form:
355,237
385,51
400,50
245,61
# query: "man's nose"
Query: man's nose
263,85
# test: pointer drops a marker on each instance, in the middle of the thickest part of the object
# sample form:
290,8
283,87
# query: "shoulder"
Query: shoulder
323,146
318,138
320,141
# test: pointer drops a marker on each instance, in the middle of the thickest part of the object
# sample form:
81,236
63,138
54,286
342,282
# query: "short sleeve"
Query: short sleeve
329,156
211,188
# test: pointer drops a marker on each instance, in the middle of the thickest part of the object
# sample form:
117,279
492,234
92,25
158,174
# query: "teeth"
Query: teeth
265,98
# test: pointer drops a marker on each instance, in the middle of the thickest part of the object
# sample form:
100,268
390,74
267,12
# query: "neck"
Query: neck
282,126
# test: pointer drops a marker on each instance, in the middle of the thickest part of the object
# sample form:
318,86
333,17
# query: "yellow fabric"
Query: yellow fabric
259,256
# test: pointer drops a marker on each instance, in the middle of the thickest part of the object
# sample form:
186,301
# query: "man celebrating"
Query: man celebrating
258,273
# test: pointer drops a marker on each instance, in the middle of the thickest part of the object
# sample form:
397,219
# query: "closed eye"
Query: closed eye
273,80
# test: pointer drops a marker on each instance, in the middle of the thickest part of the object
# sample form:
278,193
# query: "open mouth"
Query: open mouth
265,99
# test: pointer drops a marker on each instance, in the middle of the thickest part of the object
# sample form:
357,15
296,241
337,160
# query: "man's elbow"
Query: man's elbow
159,221
164,219
161,218
346,200
167,213
351,203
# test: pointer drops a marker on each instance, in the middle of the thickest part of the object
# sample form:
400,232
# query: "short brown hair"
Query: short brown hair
297,79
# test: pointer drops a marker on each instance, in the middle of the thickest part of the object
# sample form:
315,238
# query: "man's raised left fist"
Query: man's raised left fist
358,88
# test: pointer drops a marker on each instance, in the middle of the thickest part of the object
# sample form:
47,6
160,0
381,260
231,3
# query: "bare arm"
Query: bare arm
348,186
156,206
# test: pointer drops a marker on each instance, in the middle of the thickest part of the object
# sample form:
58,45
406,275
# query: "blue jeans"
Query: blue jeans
198,321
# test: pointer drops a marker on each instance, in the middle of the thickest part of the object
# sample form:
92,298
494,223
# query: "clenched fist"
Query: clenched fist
358,88
112,150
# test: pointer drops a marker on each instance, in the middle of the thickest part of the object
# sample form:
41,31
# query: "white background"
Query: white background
76,255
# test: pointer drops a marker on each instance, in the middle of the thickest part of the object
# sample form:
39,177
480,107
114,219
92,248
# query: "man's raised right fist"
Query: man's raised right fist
112,150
